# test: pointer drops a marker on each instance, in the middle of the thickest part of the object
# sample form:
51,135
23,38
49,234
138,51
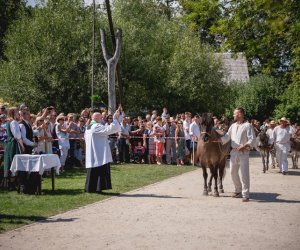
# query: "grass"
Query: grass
17,210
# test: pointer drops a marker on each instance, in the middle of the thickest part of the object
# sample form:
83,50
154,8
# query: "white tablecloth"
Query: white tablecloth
35,163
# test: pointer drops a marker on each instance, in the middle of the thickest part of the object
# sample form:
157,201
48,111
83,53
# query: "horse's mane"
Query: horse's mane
207,122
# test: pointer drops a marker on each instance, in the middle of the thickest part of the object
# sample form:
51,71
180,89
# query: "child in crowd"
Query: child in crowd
139,152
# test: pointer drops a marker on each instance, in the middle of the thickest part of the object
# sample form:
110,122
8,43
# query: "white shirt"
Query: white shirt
270,134
239,134
186,127
195,131
15,129
63,137
124,129
97,147
282,137
23,134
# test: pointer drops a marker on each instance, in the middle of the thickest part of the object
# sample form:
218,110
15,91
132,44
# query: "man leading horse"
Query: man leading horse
242,137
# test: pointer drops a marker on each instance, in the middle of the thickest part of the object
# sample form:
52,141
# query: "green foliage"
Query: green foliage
258,96
17,210
289,103
197,77
201,16
48,57
163,64
258,28
8,13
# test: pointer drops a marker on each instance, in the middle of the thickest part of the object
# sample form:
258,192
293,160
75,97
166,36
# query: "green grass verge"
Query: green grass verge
17,210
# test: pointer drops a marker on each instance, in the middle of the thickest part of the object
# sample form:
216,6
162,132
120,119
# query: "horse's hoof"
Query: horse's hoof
205,193
221,191
209,190
216,194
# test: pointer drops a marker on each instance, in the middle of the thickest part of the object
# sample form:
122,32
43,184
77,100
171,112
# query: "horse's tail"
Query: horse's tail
224,172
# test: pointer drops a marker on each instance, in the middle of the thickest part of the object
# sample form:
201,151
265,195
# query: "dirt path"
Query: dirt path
173,214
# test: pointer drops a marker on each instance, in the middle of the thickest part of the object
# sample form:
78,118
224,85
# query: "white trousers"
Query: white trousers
63,155
272,159
281,155
240,161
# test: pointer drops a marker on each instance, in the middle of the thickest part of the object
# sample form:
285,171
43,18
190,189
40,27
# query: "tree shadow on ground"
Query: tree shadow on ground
270,197
52,220
294,172
141,195
63,191
17,220
22,220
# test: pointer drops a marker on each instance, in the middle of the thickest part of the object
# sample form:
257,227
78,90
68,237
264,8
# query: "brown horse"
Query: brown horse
212,154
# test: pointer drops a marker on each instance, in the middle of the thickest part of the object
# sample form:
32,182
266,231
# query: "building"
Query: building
236,66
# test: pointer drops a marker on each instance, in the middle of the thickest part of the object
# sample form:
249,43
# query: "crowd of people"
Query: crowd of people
154,139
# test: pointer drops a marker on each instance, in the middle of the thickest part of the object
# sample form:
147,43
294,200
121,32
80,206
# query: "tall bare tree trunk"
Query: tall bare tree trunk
111,62
113,40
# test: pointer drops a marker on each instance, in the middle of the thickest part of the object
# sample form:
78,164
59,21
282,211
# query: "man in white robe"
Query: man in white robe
242,137
281,136
98,154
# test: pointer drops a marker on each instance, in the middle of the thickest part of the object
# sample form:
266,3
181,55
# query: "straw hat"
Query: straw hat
60,117
283,119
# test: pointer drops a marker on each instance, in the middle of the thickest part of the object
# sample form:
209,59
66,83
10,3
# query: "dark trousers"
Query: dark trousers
123,150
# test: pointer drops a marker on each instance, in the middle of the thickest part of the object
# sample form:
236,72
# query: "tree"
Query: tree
289,105
164,64
8,13
197,77
48,57
259,29
201,16
259,96
111,62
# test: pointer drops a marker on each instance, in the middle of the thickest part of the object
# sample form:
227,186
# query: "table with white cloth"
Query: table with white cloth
37,164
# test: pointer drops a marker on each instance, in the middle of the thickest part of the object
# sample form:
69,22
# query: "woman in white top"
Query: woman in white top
14,143
62,132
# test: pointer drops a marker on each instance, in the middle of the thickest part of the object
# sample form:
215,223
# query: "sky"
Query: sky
32,2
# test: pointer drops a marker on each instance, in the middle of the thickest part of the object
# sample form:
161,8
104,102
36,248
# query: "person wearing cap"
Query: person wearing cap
98,154
281,136
241,134
272,125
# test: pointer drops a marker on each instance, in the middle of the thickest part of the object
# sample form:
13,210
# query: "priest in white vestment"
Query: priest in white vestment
98,154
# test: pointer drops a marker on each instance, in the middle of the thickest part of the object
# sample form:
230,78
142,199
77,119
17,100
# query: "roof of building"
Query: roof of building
236,66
